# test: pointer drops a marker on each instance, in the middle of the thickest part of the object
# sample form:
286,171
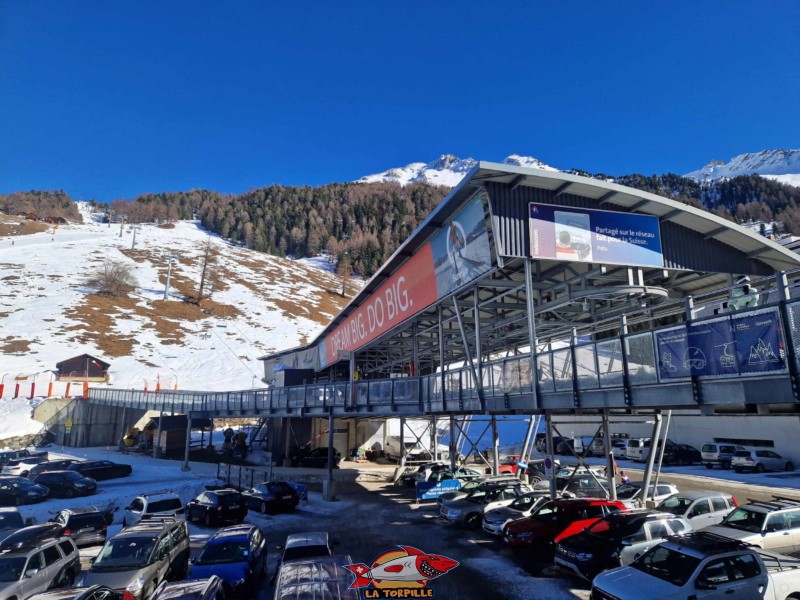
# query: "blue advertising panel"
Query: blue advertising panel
428,490
594,236
733,345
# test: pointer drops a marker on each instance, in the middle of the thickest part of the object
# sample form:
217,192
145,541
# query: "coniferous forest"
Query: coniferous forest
362,224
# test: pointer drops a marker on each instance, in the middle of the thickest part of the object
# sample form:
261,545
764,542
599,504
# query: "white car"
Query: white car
155,504
760,461
469,511
619,450
630,494
495,520
21,466
701,509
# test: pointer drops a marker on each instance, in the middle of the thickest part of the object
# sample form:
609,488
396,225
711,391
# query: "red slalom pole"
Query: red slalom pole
66,394
2,387
49,389
16,390
33,389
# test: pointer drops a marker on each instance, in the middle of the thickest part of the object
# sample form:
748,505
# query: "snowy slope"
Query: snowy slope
780,165
47,313
446,170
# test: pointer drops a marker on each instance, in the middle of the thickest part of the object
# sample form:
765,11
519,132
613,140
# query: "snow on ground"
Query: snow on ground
16,419
255,307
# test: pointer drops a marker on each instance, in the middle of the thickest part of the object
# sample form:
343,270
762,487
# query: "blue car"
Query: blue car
236,554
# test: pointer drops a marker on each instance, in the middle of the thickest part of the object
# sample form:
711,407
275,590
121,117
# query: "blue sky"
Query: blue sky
112,99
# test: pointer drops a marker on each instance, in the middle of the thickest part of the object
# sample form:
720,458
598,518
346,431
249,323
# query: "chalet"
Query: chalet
172,440
82,368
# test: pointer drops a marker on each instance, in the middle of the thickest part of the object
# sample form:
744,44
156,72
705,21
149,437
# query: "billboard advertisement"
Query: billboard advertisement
733,345
594,236
456,254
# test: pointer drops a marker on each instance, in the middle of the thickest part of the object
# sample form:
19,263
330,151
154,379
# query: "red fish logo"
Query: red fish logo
407,567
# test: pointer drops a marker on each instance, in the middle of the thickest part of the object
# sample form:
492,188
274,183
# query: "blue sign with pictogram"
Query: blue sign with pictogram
429,490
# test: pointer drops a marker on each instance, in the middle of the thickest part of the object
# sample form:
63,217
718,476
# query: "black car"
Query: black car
51,465
96,592
271,497
16,491
10,521
101,470
218,506
198,589
86,526
682,454
66,484
316,458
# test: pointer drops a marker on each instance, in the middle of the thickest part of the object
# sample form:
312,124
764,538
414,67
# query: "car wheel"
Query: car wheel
67,579
759,468
789,467
737,469
472,521
207,520
68,493
263,508
709,466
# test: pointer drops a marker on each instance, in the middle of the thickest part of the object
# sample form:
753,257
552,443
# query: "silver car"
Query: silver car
701,509
771,525
469,511
760,461
631,493
495,520
38,567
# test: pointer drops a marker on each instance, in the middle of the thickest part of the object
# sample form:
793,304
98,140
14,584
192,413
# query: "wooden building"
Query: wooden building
82,368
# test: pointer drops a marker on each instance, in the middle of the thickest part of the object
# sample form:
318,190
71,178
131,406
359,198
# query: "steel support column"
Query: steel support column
453,449
529,292
526,451
611,472
648,470
330,491
495,447
548,419
468,354
434,439
186,466
478,341
661,450
441,353
157,439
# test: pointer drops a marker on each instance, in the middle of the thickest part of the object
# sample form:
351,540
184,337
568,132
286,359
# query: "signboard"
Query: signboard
594,236
548,468
733,345
457,254
68,425
428,490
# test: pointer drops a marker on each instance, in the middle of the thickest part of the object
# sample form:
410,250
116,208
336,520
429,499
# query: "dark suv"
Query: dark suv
271,497
219,506
316,458
66,484
86,526
236,554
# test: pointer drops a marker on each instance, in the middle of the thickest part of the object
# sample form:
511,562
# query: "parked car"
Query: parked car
631,493
618,539
704,567
212,588
409,477
486,482
495,520
537,534
237,555
16,491
536,471
316,458
701,509
85,526
463,474
303,547
682,454
37,564
301,578
718,454
425,471
96,592
271,497
50,465
154,504
581,485
619,449
66,484
21,466
541,443
772,525
141,556
219,506
100,470
469,511
760,461
7,455
635,448
10,521
508,464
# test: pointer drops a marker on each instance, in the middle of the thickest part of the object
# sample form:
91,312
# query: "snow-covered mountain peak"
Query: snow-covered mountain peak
447,170
780,165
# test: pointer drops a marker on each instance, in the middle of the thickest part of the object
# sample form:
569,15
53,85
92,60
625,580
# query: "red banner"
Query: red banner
408,291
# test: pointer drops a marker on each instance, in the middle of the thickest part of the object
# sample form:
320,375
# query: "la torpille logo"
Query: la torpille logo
403,573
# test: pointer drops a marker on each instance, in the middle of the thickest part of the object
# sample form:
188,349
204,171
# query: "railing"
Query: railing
749,343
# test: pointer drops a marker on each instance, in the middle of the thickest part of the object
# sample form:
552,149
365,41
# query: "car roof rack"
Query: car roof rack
709,542
776,504
156,520
157,492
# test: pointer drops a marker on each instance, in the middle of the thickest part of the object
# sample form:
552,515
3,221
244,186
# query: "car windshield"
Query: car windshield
125,552
675,505
164,505
668,565
305,552
524,502
742,454
549,512
229,499
509,460
70,475
11,520
11,568
261,488
746,520
626,492
229,551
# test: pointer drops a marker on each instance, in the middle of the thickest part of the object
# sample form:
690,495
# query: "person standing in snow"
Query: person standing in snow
743,296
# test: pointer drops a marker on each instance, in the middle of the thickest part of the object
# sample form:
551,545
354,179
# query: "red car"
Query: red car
508,464
558,518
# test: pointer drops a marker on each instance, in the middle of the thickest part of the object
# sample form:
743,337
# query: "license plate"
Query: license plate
234,506
289,497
